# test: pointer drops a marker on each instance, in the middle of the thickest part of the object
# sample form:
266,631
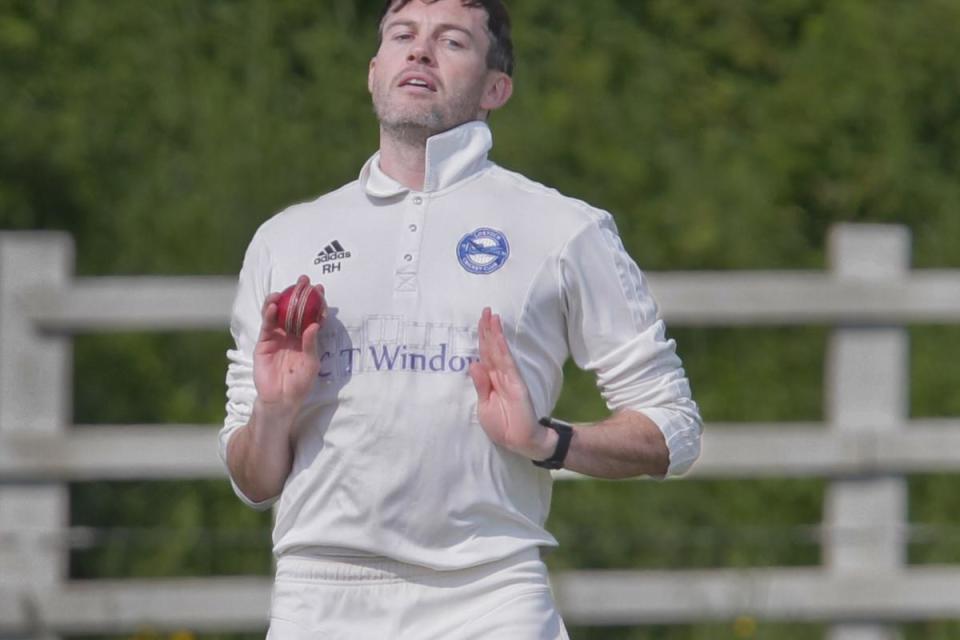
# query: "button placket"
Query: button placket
408,262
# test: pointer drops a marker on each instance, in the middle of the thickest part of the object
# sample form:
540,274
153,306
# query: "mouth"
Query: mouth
418,82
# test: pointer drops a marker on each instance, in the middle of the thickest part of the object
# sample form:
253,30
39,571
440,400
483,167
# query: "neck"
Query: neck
403,155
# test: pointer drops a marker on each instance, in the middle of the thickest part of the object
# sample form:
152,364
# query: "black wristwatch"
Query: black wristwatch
565,432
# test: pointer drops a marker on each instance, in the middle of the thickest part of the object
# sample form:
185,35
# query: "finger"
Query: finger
273,298
499,349
270,313
483,333
309,340
481,380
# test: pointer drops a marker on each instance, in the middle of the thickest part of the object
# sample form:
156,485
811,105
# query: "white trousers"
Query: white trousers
358,599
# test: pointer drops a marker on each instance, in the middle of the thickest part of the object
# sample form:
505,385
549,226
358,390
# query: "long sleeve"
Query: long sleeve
614,330
252,289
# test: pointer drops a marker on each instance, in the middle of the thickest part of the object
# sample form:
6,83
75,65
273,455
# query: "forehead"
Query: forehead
439,11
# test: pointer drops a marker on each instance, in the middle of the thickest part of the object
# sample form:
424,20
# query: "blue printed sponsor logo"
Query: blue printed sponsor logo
483,251
394,358
399,358
392,343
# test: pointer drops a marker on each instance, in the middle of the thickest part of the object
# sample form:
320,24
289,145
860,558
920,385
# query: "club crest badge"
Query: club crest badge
483,251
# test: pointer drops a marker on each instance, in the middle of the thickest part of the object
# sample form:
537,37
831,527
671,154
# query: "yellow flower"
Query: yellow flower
744,627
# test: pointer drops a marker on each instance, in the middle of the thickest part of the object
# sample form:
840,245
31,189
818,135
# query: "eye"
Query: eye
453,43
402,36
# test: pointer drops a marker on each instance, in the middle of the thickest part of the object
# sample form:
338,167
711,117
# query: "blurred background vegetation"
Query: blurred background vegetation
722,134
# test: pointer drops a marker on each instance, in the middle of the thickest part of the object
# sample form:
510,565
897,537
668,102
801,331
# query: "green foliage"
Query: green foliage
134,378
740,629
167,529
693,524
723,134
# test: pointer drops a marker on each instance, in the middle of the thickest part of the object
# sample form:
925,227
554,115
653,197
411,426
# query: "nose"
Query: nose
420,54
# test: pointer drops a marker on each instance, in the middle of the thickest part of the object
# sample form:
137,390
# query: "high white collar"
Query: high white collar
451,156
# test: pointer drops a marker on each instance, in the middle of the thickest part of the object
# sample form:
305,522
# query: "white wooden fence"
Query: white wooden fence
862,590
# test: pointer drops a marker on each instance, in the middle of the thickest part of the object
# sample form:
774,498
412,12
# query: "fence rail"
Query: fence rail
168,452
865,448
588,597
703,298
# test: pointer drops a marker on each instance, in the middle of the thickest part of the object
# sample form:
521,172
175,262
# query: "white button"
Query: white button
412,227
408,257
417,200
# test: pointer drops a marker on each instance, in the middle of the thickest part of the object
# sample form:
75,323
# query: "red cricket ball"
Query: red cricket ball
300,305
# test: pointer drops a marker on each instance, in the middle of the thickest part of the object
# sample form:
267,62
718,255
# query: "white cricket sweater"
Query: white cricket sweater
390,458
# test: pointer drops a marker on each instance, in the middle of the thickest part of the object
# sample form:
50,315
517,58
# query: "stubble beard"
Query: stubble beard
414,124
410,128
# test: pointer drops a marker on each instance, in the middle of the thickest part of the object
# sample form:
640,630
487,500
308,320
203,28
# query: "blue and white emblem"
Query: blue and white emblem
483,250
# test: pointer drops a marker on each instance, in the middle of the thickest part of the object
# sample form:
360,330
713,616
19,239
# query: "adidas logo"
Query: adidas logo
330,257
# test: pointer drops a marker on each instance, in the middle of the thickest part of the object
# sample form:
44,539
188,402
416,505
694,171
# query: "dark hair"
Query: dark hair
500,54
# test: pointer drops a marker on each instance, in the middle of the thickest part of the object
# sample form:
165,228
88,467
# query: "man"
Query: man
400,437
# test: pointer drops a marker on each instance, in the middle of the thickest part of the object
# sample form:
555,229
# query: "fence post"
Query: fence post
867,389
35,398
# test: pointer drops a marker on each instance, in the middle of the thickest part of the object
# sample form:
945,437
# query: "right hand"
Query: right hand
285,367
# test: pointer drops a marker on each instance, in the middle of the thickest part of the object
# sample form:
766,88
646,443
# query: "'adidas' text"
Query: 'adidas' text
332,252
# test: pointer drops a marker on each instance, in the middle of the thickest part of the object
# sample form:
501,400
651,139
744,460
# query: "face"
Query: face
430,73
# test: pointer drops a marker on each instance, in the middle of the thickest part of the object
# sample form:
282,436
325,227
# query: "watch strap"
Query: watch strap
565,435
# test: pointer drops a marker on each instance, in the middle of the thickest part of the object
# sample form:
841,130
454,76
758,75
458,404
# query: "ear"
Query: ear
373,63
498,91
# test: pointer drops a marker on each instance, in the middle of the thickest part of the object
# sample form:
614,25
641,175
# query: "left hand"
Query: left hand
503,400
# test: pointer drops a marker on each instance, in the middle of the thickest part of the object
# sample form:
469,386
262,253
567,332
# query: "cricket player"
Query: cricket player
406,440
